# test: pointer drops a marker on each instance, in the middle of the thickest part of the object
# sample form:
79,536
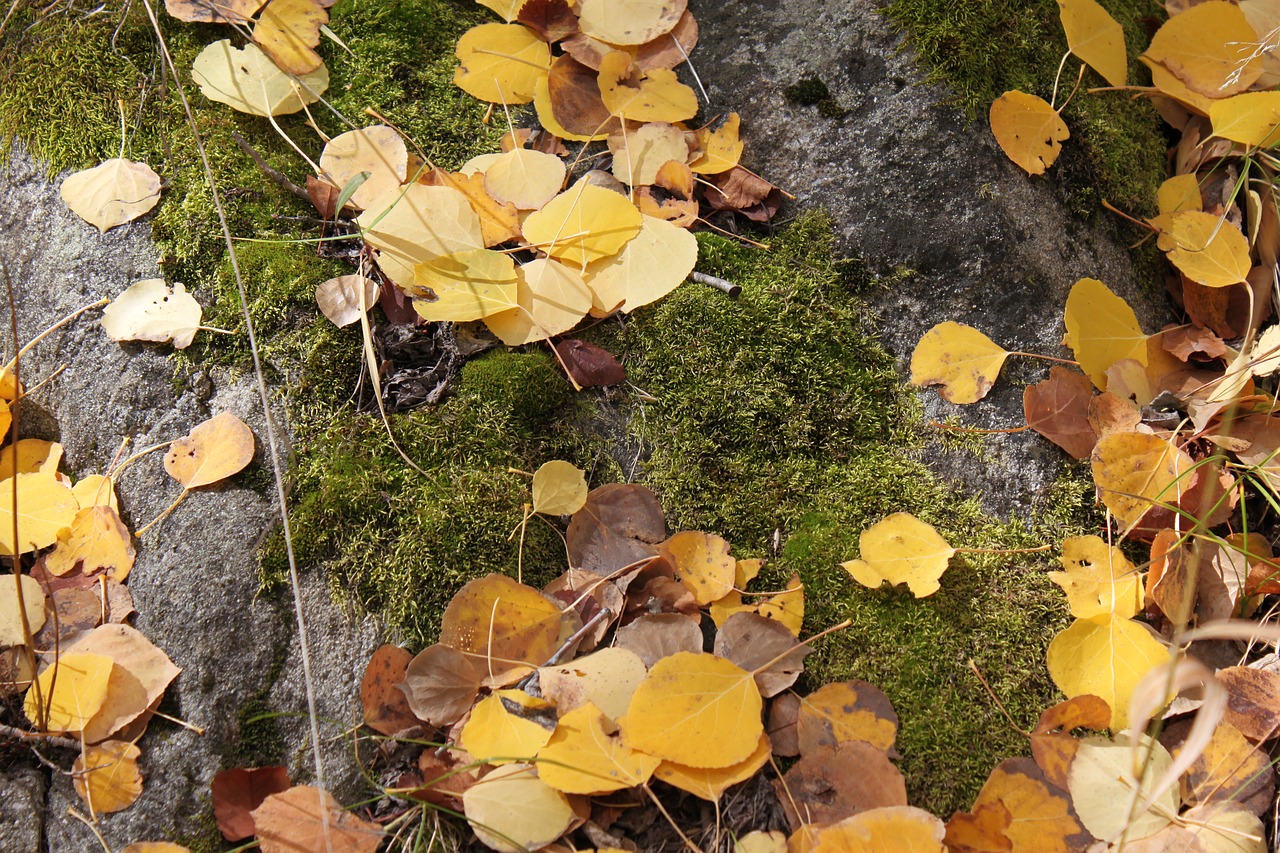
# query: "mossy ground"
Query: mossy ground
777,411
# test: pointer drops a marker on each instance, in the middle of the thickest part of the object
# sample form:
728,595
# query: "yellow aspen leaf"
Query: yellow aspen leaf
45,506
1104,779
638,154
959,358
723,608
1106,656
289,31
1095,37
721,148
10,389
1029,130
1098,579
786,607
378,150
1208,47
73,689
583,757
1181,192
559,488
651,265
759,841
467,285
112,193
150,310
745,572
702,563
308,818
1250,118
1134,471
1040,816
96,541
496,735
710,783
6,417
501,62
584,223
607,679
95,490
212,451
1204,247
155,847
846,711
656,95
629,21
1230,768
106,776
1264,17
11,614
507,10
501,625
511,810
141,674
247,80
30,456
499,223
695,709
550,299
525,178
418,224
1101,330
889,829
901,549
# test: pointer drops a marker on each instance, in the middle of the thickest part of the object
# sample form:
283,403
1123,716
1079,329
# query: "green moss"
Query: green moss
983,48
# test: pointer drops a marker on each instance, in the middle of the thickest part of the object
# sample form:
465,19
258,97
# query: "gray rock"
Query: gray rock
910,186
196,583
22,809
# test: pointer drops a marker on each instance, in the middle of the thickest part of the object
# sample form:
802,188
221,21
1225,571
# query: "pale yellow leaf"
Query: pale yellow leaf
1107,657
212,451
550,299
524,177
584,223
11,614
150,310
112,193
416,225
559,488
959,358
378,150
247,80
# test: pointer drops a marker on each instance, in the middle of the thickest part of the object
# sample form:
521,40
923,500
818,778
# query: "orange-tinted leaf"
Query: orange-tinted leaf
212,451
1029,130
1051,742
984,830
1253,701
1058,409
710,783
846,711
1135,471
1042,819
890,829
385,707
106,776
501,624
239,791
305,818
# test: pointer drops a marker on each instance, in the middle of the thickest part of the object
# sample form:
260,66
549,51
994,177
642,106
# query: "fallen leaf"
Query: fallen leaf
247,80
1102,783
786,607
1098,579
213,11
72,689
1095,37
289,30
836,781
695,709
1041,816
511,810
583,757
710,783
385,708
30,456
1106,656
591,366
653,263
525,178
307,818
501,62
106,776
95,490
44,507
418,224
506,9
639,153
468,286
96,541
551,298
139,677
702,563
11,613
568,102
1253,701
507,726
629,22
499,223
151,310
588,594
339,298
1101,330
655,95
846,711
1058,409
1208,47
984,829
112,193
377,150
901,549
440,684
1229,769
214,450
721,149
502,625
1135,471
239,791
1251,119
559,488
1181,192
582,224
620,524
657,635
1052,745
1029,130
1205,248
961,359
552,20
764,648
889,828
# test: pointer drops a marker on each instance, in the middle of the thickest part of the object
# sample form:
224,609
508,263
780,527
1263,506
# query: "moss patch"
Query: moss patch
983,48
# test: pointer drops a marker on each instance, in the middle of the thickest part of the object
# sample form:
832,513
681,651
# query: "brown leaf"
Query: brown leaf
213,11
440,684
550,19
1253,701
846,711
574,93
835,781
238,792
1193,343
443,781
591,366
1223,310
619,525
1058,409
660,595
1110,413
783,729
745,192
305,818
666,51
657,635
588,594
324,197
1051,743
753,641
385,708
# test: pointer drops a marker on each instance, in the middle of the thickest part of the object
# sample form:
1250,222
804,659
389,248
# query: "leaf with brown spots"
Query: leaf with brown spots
847,711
